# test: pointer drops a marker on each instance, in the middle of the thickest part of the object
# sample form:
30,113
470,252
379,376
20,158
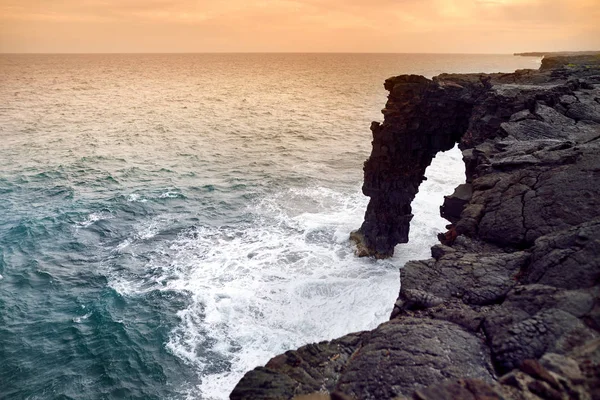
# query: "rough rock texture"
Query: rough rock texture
422,117
508,307
539,118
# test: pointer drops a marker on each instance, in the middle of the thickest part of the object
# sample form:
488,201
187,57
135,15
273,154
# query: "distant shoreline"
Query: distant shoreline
557,53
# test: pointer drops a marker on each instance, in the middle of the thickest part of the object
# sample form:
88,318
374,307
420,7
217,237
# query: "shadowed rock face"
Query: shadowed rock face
508,307
422,117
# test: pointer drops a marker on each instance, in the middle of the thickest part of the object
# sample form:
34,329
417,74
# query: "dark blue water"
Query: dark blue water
169,221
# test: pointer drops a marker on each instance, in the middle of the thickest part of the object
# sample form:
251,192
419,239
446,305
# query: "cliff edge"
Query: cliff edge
508,307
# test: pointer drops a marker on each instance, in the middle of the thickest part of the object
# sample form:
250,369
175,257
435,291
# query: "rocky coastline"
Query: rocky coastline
557,53
508,307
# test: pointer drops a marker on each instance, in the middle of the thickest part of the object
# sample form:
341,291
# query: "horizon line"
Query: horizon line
517,53
298,52
268,52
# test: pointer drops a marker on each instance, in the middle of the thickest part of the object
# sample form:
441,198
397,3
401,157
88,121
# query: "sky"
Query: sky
390,26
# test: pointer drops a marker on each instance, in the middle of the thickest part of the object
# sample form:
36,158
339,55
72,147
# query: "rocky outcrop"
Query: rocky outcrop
508,307
422,117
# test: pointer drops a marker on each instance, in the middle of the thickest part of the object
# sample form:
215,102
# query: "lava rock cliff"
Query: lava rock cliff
508,307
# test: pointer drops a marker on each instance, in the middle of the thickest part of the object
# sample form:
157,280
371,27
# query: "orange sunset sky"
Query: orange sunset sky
435,26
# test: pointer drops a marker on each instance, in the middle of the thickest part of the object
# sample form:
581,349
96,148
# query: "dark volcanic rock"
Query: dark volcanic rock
402,355
508,307
394,359
422,117
309,369
455,203
574,251
541,131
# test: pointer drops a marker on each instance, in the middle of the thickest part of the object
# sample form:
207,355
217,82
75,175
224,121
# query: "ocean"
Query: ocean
170,221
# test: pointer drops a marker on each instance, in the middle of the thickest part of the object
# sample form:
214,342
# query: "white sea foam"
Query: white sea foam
287,278
136,198
282,282
78,320
143,231
93,218
170,195
123,245
149,230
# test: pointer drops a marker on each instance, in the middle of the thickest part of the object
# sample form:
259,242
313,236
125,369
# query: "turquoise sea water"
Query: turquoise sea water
168,222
